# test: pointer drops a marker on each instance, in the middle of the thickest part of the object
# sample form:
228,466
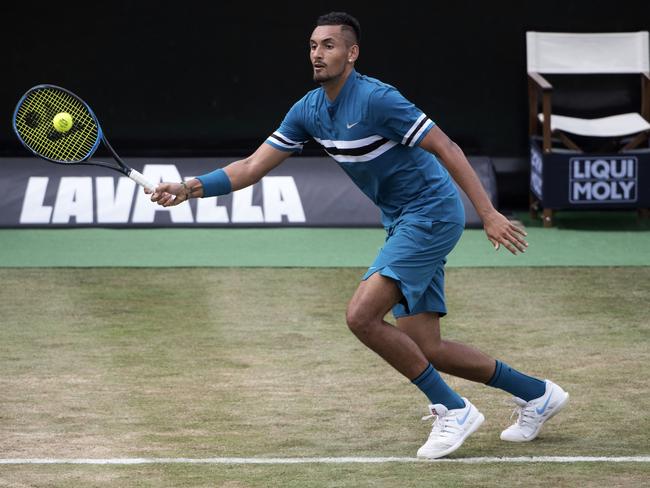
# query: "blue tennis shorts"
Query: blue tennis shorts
414,255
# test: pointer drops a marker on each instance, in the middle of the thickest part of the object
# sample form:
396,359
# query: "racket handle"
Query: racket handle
141,180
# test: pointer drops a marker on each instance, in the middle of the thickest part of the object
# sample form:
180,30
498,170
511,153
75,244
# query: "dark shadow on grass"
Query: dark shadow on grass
591,220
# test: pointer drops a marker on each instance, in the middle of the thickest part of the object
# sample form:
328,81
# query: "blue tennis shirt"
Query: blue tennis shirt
373,133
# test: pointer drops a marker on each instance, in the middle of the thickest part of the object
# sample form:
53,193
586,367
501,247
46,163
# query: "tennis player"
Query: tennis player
402,161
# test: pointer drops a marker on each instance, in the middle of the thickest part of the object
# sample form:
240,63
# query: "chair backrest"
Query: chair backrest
578,53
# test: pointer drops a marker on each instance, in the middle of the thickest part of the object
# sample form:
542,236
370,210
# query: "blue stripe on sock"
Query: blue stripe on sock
436,390
516,383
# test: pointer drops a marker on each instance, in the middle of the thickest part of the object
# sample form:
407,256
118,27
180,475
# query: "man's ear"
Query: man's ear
353,53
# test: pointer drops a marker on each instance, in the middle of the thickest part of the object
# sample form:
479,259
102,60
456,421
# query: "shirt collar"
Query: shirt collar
352,78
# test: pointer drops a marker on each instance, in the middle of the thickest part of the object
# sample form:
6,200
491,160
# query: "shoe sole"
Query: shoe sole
555,411
477,423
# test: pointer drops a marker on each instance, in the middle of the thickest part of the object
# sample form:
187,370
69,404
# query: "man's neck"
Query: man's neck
333,87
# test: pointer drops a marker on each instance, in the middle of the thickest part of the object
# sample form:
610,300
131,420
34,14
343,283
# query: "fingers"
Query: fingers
517,235
508,245
513,242
512,238
519,242
517,229
159,191
163,195
165,199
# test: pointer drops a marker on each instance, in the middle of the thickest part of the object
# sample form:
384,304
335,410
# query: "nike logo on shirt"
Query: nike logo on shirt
352,125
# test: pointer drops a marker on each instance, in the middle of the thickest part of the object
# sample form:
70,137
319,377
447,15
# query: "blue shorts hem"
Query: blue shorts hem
410,314
408,299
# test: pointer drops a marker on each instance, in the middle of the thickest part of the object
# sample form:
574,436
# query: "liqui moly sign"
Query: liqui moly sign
610,179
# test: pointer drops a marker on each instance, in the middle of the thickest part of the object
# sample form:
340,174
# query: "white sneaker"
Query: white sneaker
533,414
450,429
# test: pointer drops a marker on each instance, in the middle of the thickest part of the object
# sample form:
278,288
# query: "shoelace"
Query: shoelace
524,414
440,425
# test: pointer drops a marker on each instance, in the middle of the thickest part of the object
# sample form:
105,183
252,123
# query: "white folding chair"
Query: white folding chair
551,53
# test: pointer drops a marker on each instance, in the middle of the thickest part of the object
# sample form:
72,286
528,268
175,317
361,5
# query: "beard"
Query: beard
321,77
326,75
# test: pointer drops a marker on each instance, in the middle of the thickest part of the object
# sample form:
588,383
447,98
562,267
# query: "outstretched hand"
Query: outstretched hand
169,194
500,230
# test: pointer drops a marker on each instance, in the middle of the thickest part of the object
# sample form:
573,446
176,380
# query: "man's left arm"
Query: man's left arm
498,228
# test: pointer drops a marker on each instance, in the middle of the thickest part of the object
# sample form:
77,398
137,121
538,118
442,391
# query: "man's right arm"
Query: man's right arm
241,173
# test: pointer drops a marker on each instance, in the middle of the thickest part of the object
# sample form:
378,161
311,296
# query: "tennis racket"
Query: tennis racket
58,126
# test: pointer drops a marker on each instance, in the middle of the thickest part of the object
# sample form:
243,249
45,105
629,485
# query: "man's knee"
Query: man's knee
359,321
370,303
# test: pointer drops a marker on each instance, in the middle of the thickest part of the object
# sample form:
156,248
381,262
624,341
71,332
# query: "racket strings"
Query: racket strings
34,125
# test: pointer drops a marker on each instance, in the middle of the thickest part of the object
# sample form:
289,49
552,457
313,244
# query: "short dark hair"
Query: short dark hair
343,19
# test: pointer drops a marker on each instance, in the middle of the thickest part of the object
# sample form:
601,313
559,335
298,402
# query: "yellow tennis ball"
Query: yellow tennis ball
62,122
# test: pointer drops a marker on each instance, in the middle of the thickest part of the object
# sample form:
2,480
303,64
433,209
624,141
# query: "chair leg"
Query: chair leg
568,142
636,141
547,217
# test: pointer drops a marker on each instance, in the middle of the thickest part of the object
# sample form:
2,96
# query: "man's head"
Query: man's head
349,25
334,45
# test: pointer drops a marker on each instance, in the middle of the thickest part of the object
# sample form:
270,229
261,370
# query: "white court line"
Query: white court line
331,460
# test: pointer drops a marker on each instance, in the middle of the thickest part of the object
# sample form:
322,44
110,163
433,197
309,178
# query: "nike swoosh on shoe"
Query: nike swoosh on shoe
540,411
461,422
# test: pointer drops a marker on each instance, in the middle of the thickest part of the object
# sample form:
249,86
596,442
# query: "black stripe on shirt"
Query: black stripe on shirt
354,151
417,129
288,143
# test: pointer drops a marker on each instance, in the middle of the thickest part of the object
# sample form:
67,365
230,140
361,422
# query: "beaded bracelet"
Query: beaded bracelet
188,192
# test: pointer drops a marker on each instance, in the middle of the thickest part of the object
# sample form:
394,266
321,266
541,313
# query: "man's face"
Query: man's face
328,52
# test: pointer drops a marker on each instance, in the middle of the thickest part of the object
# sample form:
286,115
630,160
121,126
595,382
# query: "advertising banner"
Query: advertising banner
567,180
306,192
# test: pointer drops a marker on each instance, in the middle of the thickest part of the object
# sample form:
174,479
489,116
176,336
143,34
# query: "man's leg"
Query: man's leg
365,316
465,361
457,418
449,357
536,400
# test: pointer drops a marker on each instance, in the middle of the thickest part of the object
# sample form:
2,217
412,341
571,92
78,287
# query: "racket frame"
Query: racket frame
122,167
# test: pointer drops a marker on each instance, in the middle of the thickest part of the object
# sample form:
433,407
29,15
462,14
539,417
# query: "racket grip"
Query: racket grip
141,180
